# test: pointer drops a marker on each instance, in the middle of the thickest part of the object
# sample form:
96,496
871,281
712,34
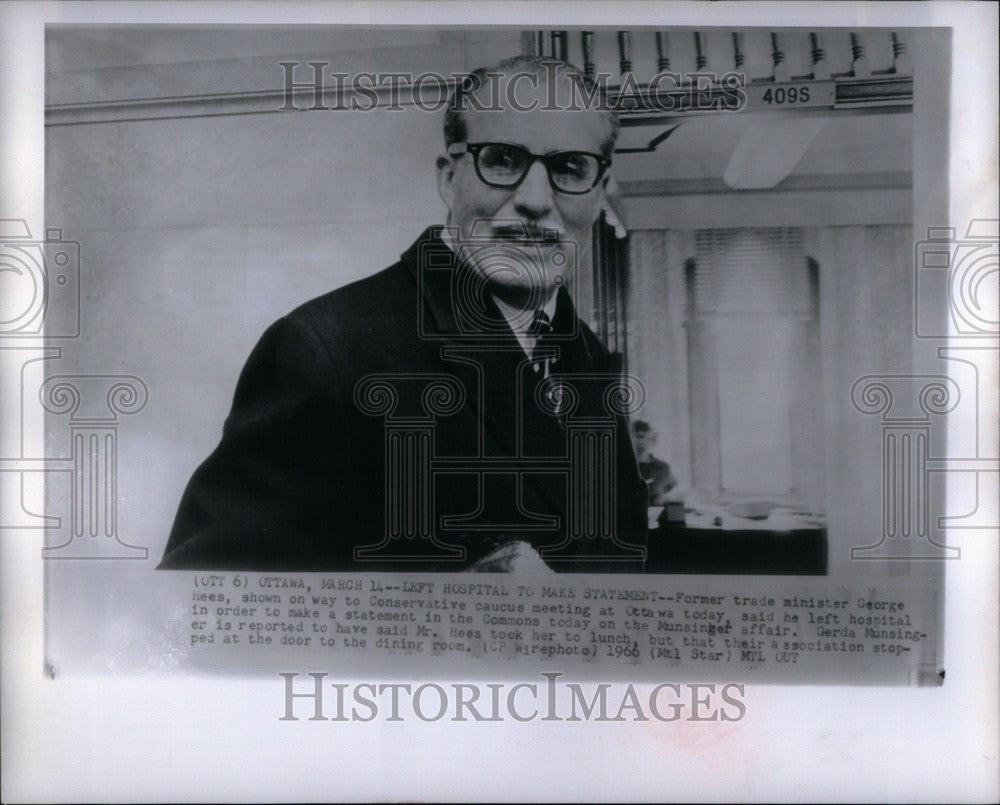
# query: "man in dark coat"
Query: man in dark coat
451,412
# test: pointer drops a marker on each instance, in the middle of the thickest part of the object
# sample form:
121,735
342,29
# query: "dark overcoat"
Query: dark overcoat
397,424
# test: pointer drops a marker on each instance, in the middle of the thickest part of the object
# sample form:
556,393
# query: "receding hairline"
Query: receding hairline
455,130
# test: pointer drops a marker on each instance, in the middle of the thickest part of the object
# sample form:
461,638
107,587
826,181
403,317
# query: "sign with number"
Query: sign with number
792,95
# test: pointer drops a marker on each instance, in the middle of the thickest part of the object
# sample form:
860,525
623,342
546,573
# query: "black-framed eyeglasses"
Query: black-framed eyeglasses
505,165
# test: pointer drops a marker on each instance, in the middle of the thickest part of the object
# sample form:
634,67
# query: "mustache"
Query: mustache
526,232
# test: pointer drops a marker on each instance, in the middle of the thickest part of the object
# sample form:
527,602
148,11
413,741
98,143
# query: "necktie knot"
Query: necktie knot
540,324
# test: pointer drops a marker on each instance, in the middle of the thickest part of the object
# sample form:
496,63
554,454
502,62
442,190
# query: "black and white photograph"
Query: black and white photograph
458,365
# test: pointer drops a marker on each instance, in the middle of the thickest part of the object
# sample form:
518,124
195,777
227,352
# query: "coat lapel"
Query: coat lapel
475,343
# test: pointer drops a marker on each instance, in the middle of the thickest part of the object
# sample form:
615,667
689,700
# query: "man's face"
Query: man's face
493,214
643,440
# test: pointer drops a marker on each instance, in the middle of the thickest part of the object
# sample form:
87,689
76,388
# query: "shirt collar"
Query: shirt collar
519,323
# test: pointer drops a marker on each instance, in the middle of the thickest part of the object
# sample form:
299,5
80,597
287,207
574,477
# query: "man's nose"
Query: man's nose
534,194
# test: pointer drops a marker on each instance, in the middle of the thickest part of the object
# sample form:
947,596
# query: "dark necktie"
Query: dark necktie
541,329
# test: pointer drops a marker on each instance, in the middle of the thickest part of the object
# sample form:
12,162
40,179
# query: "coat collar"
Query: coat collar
442,278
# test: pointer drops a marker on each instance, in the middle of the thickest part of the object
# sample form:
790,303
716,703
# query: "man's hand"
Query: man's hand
512,557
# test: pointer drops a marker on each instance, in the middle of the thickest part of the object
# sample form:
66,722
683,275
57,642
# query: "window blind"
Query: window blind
750,273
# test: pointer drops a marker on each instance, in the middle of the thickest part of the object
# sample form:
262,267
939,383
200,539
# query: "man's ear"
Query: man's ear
611,191
601,195
446,179
609,184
